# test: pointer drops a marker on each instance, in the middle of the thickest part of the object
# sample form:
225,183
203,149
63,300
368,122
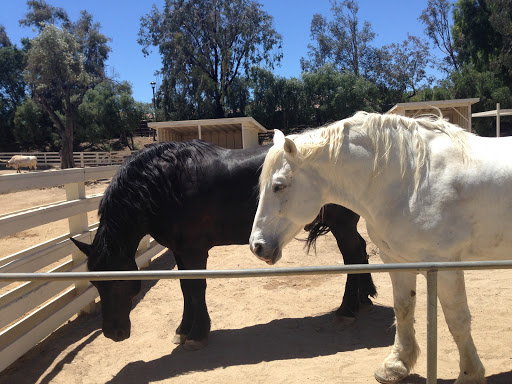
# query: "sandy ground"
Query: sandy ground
264,330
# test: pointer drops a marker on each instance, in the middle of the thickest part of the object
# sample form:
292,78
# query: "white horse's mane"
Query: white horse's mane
384,131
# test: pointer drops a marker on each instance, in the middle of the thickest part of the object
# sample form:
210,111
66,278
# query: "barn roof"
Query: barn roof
433,103
212,125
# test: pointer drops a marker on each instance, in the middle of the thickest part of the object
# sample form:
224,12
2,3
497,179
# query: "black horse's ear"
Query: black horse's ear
85,248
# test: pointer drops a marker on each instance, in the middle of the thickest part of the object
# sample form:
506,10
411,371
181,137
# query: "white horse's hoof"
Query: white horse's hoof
194,345
179,339
385,376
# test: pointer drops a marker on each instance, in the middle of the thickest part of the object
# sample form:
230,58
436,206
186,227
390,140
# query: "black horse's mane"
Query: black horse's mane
156,173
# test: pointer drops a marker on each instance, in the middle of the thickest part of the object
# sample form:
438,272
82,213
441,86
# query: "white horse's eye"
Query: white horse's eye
278,187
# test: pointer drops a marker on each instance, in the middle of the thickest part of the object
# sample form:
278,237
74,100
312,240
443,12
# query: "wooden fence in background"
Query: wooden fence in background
31,311
82,159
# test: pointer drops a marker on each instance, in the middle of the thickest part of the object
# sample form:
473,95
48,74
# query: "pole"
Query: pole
432,327
498,128
154,106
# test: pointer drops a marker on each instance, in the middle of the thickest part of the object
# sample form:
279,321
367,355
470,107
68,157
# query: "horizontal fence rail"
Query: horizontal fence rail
258,272
82,159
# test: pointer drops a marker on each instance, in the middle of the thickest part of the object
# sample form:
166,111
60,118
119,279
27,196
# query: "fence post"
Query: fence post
143,247
78,224
432,327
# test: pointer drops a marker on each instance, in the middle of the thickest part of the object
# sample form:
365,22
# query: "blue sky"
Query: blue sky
120,20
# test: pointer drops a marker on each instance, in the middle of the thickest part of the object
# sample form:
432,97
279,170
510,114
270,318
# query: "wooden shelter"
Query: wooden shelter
457,111
233,133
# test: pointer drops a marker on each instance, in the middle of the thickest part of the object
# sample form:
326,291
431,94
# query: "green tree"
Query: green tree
278,102
343,41
318,97
320,51
482,35
32,127
12,86
108,111
4,39
436,18
205,46
41,14
403,69
336,95
485,85
62,64
55,71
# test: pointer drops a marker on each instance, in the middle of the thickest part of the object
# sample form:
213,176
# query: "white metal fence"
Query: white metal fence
82,159
31,311
431,269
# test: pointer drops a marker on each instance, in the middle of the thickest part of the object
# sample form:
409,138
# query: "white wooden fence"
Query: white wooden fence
33,310
82,159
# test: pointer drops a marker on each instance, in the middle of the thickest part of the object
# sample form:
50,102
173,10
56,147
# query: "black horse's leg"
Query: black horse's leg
366,286
343,225
186,321
350,249
195,325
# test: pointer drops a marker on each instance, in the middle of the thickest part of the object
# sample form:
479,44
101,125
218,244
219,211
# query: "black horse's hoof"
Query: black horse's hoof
195,345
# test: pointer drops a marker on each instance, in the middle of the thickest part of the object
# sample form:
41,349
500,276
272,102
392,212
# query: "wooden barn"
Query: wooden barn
457,111
233,133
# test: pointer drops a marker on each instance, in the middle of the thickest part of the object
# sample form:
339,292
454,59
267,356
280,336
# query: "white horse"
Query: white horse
428,190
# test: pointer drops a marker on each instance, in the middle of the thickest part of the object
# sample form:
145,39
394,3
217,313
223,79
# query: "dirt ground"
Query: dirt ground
264,330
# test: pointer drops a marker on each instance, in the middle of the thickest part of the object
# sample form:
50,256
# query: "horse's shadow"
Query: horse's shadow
282,339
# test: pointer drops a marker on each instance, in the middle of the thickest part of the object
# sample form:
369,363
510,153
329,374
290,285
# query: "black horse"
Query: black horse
191,197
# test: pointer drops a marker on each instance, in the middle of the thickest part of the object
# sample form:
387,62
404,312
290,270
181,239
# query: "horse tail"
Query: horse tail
316,229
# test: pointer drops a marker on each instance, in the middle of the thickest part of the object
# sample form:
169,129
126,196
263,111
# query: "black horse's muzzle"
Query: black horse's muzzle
117,333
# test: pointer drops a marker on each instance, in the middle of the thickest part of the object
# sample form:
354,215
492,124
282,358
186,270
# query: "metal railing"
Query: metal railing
431,269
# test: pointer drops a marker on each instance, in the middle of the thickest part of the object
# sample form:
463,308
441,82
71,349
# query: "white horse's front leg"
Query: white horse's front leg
405,350
452,295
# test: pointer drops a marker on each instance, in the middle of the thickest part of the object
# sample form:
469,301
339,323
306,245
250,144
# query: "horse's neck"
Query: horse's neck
353,181
125,236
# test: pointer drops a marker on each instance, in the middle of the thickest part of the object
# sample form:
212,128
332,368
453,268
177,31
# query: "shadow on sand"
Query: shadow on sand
86,326
282,339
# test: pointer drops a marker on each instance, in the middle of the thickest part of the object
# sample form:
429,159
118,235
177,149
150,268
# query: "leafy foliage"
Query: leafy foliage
12,87
33,127
62,64
402,69
436,18
341,41
205,46
317,98
483,35
108,111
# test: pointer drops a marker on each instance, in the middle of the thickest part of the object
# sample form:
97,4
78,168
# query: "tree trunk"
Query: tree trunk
66,154
219,108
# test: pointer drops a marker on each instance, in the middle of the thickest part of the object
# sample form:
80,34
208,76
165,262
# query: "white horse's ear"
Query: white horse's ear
289,147
278,136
